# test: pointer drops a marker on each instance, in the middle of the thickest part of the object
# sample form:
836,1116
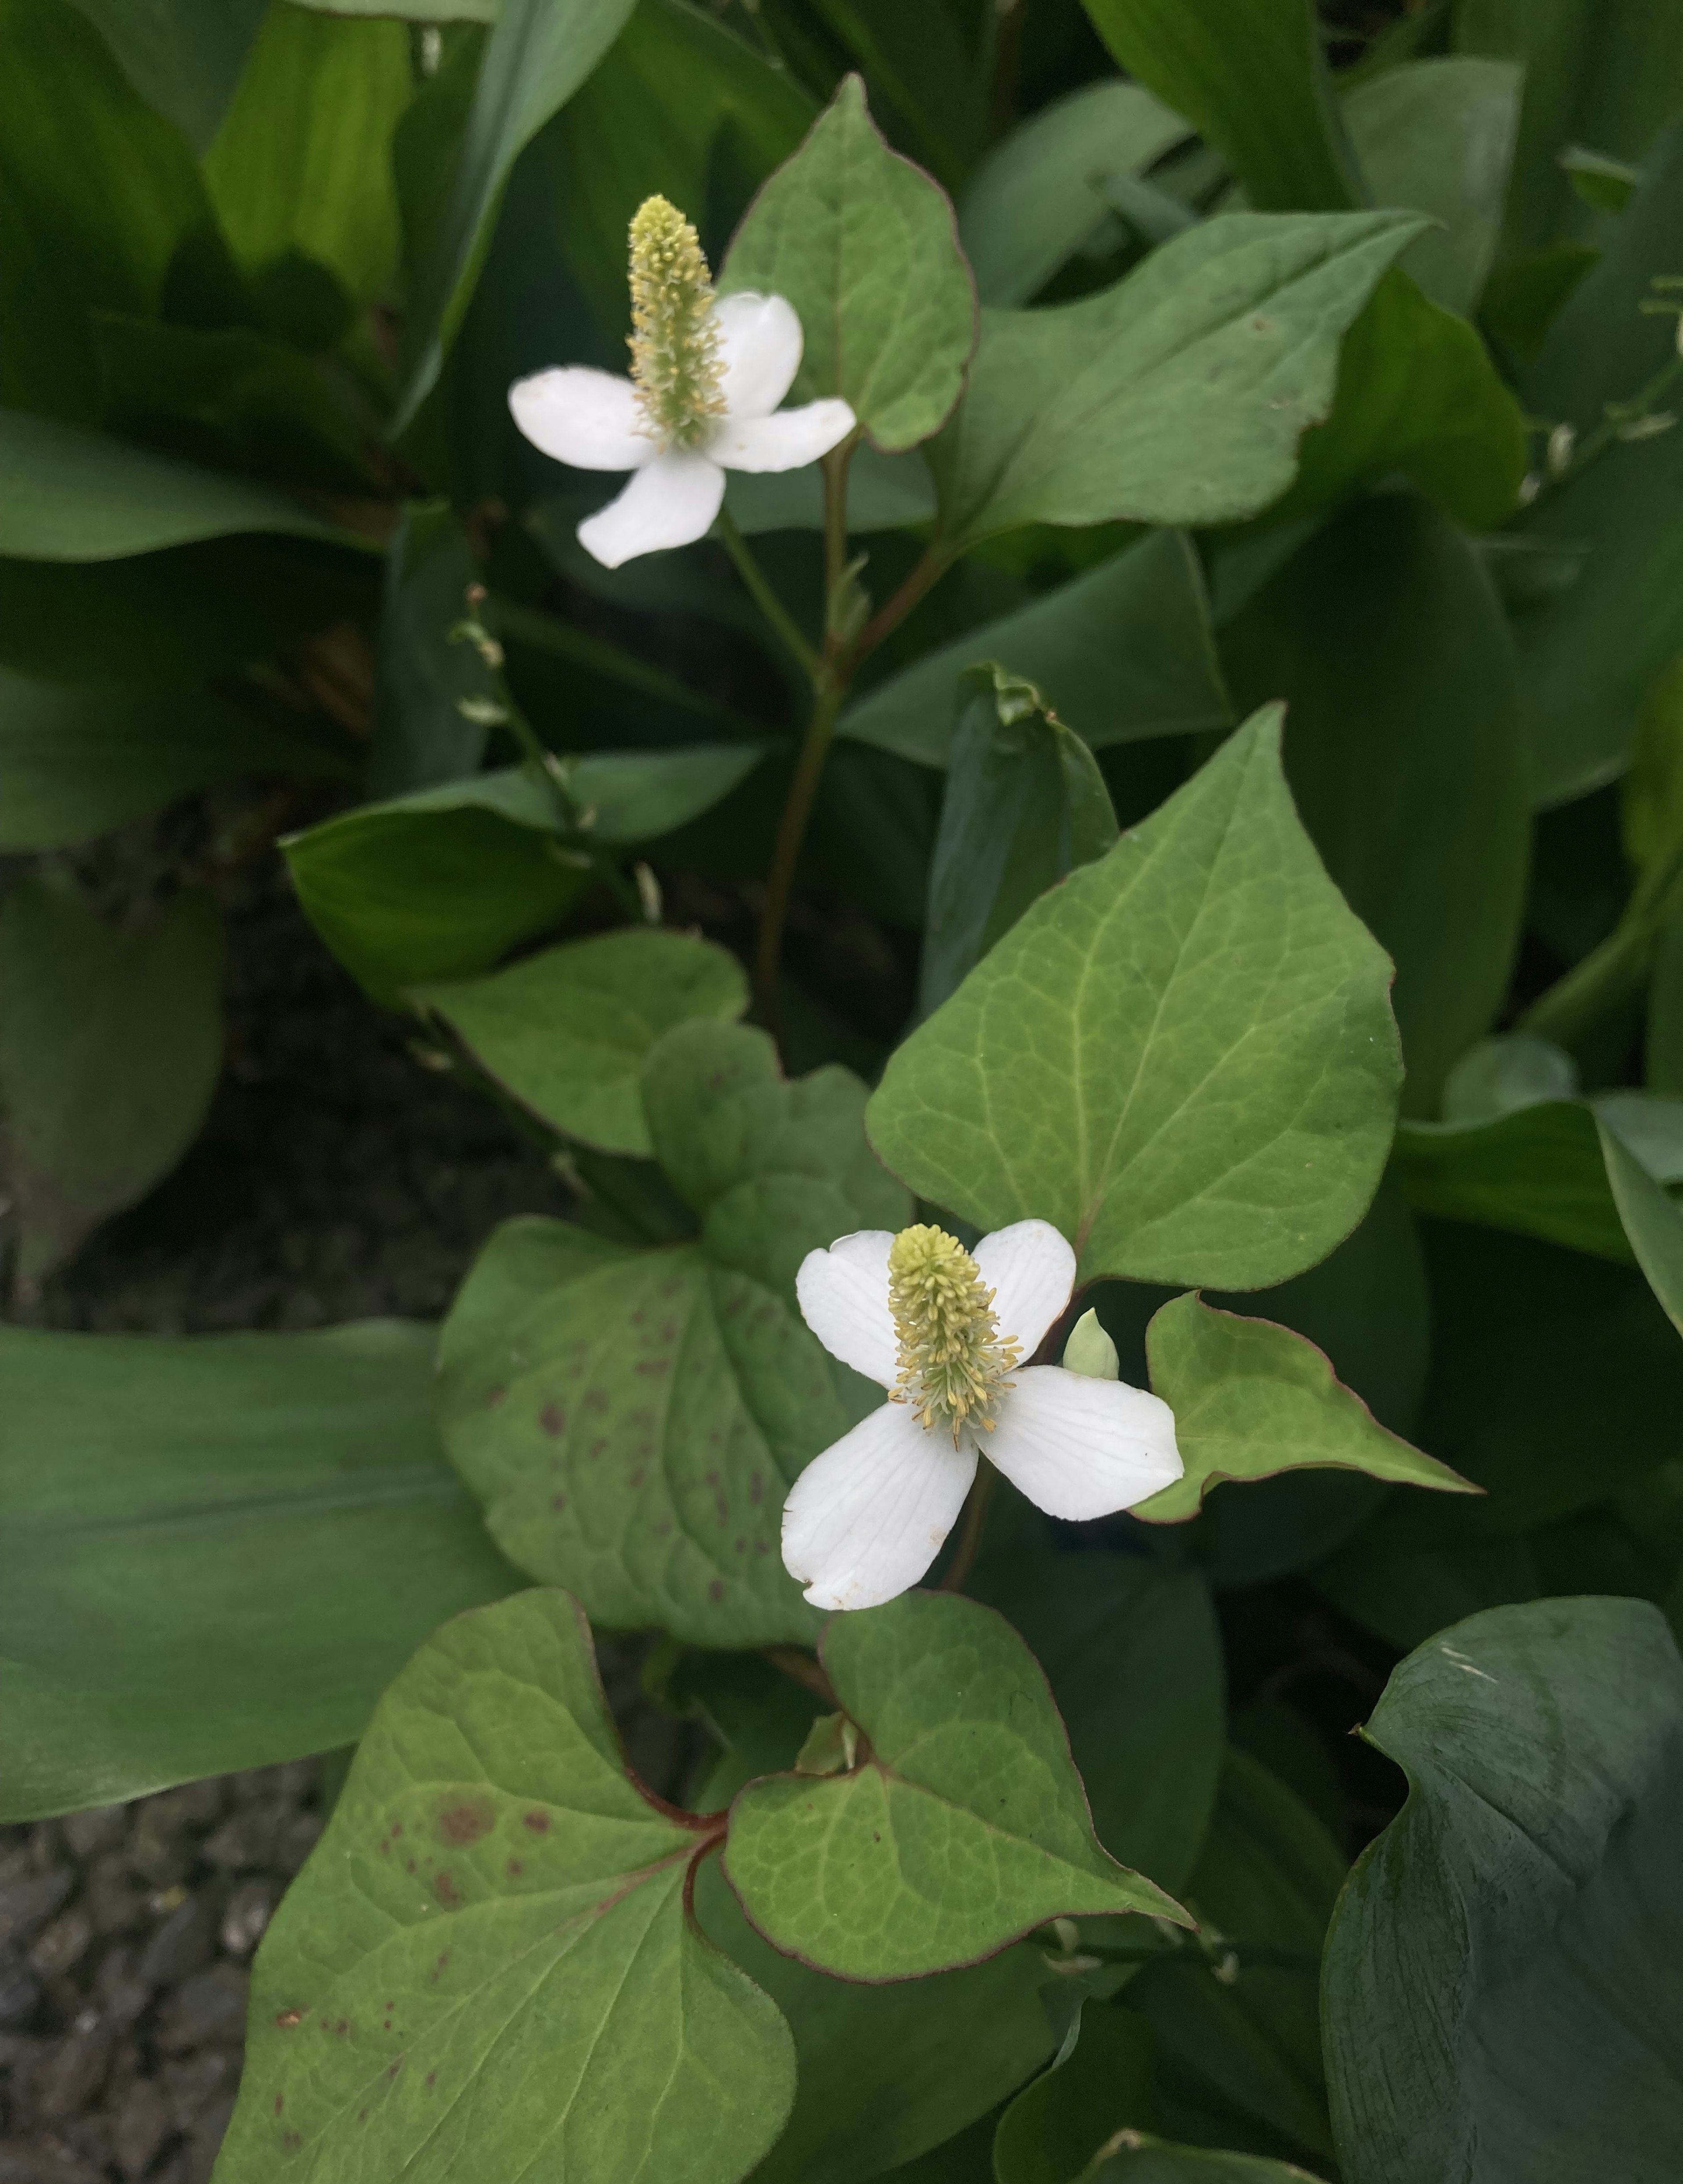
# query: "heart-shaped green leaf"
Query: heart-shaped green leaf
1178,396
865,247
1501,1975
632,1419
566,1031
1251,1400
1183,1057
489,1961
965,1827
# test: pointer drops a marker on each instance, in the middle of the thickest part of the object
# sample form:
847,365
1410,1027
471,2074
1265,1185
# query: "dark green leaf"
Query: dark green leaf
1651,1221
1024,805
1183,1057
1250,75
1121,652
83,1008
1403,749
1056,2126
1537,1171
1501,1975
1140,2159
183,57
1251,1399
1039,196
633,1419
490,1958
863,244
219,1549
567,1032
1177,397
421,737
539,53
77,496
74,763
969,1776
1590,657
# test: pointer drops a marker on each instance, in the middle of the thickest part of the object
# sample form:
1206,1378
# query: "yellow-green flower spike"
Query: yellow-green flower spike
674,342
953,1363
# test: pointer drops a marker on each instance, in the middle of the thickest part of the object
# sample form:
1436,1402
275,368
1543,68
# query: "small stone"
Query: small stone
140,2126
60,1946
45,2161
74,2072
121,1993
182,1945
200,1803
193,2082
27,1902
250,1908
208,2008
250,1841
161,1850
206,2140
101,1827
301,1836
115,1901
19,1990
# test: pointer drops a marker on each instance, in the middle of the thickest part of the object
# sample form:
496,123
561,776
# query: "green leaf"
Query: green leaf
968,1781
1178,396
1038,197
421,737
96,195
182,57
1056,2126
1592,77
1503,1959
539,53
83,1008
1590,656
301,161
682,105
1438,136
632,1419
1250,75
77,496
1417,392
1384,636
1651,1221
75,763
863,244
567,1032
440,884
1183,1057
884,492
1121,652
1251,1399
496,1917
1140,2159
1536,1171
1244,2030
219,1548
1025,805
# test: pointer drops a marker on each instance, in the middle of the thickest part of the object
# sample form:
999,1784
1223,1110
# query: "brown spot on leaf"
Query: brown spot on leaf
289,2141
716,1590
444,1888
516,1867
553,1419
496,1396
288,2018
537,1822
464,1819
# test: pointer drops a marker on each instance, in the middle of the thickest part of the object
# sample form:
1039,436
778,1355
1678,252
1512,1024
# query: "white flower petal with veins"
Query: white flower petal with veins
1031,1270
786,442
759,346
843,1298
589,419
865,1520
670,502
1081,1448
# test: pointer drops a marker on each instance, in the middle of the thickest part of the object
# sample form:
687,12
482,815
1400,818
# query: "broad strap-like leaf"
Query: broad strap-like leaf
488,1964
963,1826
1183,1057
1251,1399
632,1419
864,246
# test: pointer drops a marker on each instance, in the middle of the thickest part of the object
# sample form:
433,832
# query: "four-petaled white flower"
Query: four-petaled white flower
943,1331
707,376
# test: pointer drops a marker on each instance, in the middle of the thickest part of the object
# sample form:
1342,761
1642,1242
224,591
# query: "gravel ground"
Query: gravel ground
338,1177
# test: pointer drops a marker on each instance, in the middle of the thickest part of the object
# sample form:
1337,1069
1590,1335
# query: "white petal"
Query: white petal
589,419
866,1519
672,503
787,441
1081,1448
1031,1271
759,346
843,1295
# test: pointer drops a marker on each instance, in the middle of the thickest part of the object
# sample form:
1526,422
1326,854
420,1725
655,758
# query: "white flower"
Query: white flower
942,1330
708,375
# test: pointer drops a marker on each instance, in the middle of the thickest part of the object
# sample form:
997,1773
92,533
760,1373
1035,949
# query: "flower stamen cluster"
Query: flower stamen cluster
675,360
953,1363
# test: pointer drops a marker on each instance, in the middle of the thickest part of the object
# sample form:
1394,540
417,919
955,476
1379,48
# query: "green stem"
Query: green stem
969,1539
760,590
797,809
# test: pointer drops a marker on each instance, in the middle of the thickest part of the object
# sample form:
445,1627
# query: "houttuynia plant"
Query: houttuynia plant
1011,674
